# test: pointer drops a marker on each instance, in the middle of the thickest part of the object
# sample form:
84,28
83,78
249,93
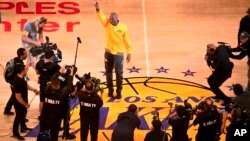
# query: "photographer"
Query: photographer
52,111
221,68
45,69
63,77
244,49
29,37
126,124
180,124
90,104
237,123
242,97
244,24
209,122
156,134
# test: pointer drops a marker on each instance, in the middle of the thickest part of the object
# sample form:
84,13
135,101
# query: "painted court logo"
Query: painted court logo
150,95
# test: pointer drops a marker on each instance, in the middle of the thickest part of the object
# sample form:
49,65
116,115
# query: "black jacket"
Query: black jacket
244,26
90,103
126,124
209,125
53,105
221,62
244,50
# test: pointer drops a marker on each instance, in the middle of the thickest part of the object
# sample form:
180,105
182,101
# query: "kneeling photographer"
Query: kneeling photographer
156,134
240,114
209,120
239,124
90,104
242,97
52,110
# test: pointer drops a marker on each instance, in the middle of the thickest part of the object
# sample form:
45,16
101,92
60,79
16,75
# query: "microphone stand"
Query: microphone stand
78,41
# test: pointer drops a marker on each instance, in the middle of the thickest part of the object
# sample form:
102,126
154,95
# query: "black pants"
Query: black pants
89,124
52,126
215,80
66,119
111,62
10,102
20,117
42,91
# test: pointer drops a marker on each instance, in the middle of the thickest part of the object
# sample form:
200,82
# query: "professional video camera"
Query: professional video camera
224,44
35,51
190,111
87,77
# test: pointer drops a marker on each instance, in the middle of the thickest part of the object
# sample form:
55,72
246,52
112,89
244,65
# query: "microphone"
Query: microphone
79,40
47,39
222,43
0,16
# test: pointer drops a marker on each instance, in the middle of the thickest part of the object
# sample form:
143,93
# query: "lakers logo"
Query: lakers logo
149,94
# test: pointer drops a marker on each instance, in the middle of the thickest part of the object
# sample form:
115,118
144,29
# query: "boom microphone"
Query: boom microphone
79,40
0,16
79,78
47,39
222,43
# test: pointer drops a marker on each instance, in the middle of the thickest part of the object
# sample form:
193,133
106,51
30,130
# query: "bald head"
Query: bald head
211,48
113,18
89,85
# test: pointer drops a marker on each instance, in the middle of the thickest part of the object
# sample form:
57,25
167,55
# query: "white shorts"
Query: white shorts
30,58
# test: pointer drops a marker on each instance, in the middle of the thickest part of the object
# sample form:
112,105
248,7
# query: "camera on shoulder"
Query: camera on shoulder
87,77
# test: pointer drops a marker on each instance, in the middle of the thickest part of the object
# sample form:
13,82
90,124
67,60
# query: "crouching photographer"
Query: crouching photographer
90,104
239,127
52,110
209,120
242,98
156,134
240,115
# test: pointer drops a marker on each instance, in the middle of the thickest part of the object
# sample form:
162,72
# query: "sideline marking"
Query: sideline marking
145,37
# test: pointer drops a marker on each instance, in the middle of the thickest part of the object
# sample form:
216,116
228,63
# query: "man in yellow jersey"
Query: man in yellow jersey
117,41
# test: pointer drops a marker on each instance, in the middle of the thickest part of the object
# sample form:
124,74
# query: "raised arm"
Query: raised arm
103,19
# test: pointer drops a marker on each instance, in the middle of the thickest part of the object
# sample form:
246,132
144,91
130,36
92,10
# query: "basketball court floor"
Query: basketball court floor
169,41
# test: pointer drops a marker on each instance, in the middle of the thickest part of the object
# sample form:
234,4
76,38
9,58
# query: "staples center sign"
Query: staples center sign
40,8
